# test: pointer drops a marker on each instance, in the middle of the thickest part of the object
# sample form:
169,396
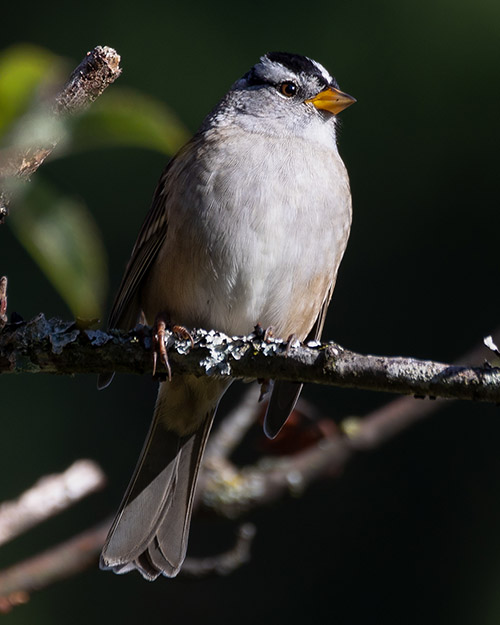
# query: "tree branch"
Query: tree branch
99,69
57,563
49,496
55,346
232,491
75,555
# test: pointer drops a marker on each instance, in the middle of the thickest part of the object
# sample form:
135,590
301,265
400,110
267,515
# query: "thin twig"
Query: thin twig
232,492
226,438
223,563
18,582
99,69
57,563
49,496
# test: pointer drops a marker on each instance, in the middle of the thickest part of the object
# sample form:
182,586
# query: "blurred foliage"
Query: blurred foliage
62,237
124,117
25,72
59,232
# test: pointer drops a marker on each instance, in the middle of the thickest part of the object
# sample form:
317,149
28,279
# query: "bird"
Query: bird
247,226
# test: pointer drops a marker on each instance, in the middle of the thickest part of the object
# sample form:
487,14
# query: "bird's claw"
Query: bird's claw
183,333
264,333
291,340
160,342
159,345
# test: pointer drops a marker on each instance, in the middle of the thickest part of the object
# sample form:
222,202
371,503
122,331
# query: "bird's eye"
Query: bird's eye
288,89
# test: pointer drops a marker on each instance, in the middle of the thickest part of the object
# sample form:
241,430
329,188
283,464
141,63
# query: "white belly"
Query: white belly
261,251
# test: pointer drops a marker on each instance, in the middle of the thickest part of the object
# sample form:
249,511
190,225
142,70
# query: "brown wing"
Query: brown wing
126,308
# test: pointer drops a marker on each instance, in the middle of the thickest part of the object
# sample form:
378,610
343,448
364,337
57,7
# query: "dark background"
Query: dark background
409,533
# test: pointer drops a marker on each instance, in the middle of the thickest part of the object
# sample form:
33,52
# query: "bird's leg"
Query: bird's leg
289,343
161,324
264,334
159,347
268,334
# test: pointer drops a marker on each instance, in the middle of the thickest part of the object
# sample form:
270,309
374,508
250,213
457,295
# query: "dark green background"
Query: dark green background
407,534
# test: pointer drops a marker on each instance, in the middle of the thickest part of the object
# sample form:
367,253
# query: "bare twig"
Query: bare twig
251,487
231,491
18,582
57,563
228,436
63,347
98,70
223,563
49,496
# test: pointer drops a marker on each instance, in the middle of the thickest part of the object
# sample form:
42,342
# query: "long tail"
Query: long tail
151,529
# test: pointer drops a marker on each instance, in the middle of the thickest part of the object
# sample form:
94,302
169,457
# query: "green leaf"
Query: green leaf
25,70
123,117
63,239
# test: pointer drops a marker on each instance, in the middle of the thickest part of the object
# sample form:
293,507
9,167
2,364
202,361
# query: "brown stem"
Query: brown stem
99,69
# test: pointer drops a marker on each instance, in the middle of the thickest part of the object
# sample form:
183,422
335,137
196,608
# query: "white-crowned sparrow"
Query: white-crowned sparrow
248,226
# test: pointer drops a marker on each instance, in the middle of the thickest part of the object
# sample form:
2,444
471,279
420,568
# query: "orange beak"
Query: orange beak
332,100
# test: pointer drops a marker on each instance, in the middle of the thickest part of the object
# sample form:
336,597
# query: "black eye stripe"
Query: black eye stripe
294,62
298,65
275,66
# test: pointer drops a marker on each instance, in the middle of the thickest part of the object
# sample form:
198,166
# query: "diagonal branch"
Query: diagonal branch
73,556
49,496
53,346
99,69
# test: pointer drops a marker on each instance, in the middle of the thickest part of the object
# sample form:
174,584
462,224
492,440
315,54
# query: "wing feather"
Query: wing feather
126,307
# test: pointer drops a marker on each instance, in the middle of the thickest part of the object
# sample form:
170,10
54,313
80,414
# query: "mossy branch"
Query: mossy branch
65,347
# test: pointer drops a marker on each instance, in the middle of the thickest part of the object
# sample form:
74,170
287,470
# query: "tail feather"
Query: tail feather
150,531
283,399
172,538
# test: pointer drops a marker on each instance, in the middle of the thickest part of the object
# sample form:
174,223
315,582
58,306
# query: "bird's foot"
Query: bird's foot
290,342
161,324
183,333
264,333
